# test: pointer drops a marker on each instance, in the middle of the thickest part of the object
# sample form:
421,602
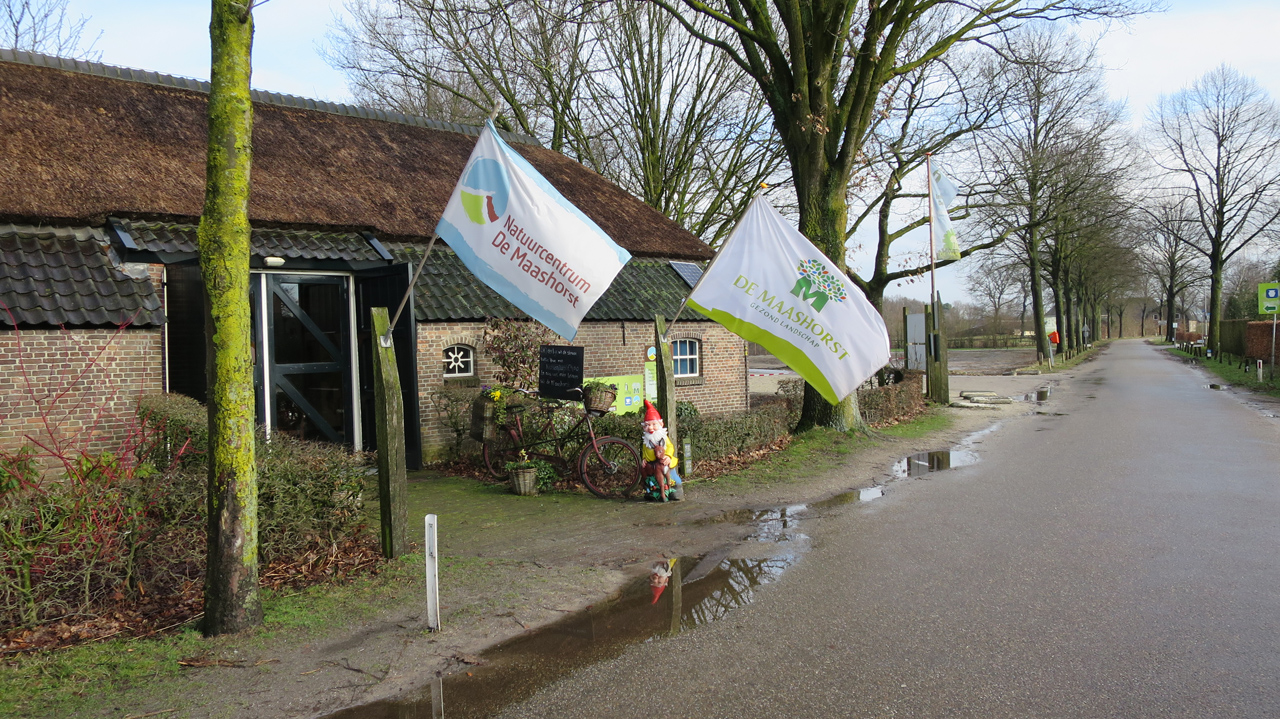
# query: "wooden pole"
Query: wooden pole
906,341
942,395
393,486
930,366
676,590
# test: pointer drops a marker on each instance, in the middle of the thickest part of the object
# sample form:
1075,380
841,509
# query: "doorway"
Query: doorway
304,368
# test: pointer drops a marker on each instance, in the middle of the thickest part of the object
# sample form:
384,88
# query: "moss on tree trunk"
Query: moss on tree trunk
231,600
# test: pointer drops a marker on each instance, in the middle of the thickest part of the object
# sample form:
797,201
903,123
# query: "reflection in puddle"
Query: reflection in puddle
961,455
918,465
514,670
772,525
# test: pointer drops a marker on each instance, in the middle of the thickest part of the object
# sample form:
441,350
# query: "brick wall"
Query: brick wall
612,348
75,388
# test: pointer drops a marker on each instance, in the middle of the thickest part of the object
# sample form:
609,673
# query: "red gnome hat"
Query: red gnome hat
651,412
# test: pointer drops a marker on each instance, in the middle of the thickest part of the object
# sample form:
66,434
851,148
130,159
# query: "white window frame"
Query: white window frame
471,359
695,356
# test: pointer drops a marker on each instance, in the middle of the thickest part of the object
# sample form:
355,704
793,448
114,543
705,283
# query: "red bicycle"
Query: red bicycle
608,466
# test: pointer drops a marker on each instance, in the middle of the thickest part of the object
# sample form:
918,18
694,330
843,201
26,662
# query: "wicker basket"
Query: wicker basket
601,400
524,482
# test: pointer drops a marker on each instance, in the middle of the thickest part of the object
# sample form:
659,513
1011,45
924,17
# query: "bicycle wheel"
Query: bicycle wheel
498,451
610,468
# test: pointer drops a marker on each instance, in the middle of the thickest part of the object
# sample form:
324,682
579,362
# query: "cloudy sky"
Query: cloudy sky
1158,53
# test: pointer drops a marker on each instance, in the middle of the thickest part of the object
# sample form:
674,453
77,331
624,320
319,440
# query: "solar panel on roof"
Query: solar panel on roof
688,271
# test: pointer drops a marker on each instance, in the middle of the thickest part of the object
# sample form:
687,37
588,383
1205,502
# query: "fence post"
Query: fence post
388,402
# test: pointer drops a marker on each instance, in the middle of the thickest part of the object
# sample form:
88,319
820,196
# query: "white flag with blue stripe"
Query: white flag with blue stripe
523,239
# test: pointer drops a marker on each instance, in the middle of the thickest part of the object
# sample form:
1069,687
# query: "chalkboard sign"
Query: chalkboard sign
560,372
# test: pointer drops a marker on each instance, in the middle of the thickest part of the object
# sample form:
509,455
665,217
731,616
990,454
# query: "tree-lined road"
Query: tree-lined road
1116,557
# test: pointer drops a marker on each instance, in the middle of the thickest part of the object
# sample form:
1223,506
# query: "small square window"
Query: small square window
459,361
684,358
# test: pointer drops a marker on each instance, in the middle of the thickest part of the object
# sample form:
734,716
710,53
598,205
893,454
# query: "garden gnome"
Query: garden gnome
659,457
659,577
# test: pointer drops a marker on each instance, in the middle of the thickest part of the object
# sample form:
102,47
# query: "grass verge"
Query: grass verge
816,452
1234,375
109,677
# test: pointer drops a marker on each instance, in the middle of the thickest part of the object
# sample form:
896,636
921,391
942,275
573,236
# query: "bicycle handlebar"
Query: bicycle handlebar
534,394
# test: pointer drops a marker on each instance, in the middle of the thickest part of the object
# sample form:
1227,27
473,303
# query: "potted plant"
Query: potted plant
523,475
599,395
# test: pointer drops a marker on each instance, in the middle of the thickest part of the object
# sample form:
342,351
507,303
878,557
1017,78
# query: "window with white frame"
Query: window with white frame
459,361
684,358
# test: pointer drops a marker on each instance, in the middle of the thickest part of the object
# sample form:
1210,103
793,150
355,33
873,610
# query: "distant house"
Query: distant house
100,193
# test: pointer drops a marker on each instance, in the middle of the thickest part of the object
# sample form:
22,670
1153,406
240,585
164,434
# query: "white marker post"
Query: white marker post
437,698
433,575
1259,370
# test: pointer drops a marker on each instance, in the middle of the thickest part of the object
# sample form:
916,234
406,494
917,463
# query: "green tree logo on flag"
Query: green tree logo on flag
817,285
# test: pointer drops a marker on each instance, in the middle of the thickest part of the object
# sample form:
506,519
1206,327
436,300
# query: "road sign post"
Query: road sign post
1269,304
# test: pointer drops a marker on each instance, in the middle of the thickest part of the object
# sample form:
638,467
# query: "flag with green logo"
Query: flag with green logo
943,191
771,286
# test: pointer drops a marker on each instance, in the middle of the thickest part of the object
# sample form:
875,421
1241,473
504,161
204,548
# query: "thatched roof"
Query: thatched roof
80,142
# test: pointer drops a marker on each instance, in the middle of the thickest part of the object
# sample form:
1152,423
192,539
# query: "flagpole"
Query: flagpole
386,339
933,270
703,276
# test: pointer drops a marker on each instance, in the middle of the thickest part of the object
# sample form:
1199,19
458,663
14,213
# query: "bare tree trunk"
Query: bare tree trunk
1022,318
1060,316
1037,304
1215,306
231,601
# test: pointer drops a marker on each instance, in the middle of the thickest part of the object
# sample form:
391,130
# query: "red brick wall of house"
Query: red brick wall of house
76,389
612,348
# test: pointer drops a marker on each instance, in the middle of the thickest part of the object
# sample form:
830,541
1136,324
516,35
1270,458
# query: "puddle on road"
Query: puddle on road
701,590
961,455
918,465
514,670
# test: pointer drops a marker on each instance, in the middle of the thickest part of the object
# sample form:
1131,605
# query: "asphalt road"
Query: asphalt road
1117,557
